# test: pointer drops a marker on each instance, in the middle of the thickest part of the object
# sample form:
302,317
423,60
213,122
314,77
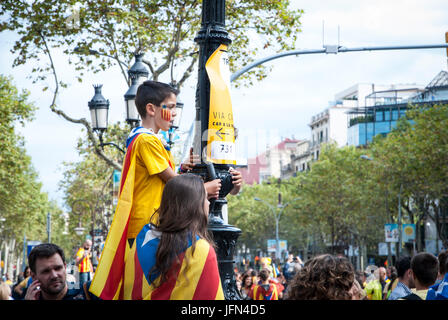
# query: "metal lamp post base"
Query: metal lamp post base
224,235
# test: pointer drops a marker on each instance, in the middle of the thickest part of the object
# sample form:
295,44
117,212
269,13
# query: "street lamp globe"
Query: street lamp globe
178,117
138,73
79,230
132,116
99,109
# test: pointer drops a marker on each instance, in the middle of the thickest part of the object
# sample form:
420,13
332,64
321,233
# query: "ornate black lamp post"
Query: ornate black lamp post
211,35
99,106
99,111
79,207
138,73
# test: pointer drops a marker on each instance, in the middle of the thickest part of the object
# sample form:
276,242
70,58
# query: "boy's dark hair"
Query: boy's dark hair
403,264
152,92
264,274
443,262
44,250
425,267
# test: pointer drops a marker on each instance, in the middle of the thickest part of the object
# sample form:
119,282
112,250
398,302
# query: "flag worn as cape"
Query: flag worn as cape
108,278
199,280
265,292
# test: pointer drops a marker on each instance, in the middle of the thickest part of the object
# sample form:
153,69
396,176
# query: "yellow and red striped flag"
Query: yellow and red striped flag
107,281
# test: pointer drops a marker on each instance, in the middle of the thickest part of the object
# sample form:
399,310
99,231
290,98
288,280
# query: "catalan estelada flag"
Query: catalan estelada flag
194,277
265,292
108,278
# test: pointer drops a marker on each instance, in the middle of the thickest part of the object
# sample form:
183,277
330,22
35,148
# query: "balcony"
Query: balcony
319,117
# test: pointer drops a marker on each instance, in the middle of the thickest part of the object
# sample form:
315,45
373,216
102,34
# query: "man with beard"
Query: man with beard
48,271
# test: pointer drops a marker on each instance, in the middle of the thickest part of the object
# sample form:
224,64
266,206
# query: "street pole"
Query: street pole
277,241
277,221
211,35
24,263
93,231
49,227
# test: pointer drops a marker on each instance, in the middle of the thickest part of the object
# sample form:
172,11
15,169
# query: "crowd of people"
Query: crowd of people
323,277
333,277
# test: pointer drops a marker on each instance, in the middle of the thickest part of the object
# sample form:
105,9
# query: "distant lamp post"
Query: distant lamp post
138,73
81,207
277,219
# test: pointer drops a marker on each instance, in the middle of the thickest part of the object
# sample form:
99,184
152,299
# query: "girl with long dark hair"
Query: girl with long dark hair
176,259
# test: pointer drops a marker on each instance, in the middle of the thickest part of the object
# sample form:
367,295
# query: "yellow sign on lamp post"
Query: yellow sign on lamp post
221,132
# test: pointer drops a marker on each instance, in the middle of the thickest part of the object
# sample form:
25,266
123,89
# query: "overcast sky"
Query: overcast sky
281,105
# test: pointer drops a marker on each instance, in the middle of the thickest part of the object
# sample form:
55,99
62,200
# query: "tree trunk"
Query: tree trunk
6,255
11,258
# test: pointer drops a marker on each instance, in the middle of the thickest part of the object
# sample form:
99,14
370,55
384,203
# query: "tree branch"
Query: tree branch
82,121
174,44
187,72
149,65
112,38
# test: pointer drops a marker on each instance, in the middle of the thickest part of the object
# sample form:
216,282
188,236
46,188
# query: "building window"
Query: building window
379,116
395,115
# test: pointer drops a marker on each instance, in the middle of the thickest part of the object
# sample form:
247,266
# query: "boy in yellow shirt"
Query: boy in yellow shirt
156,104
147,167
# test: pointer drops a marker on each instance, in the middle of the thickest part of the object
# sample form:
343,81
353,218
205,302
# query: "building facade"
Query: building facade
384,107
357,114
269,163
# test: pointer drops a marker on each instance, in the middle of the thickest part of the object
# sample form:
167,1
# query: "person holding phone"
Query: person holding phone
48,271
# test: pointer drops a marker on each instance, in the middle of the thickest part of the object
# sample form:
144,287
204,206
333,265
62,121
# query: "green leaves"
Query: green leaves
336,200
163,30
87,184
22,202
414,156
